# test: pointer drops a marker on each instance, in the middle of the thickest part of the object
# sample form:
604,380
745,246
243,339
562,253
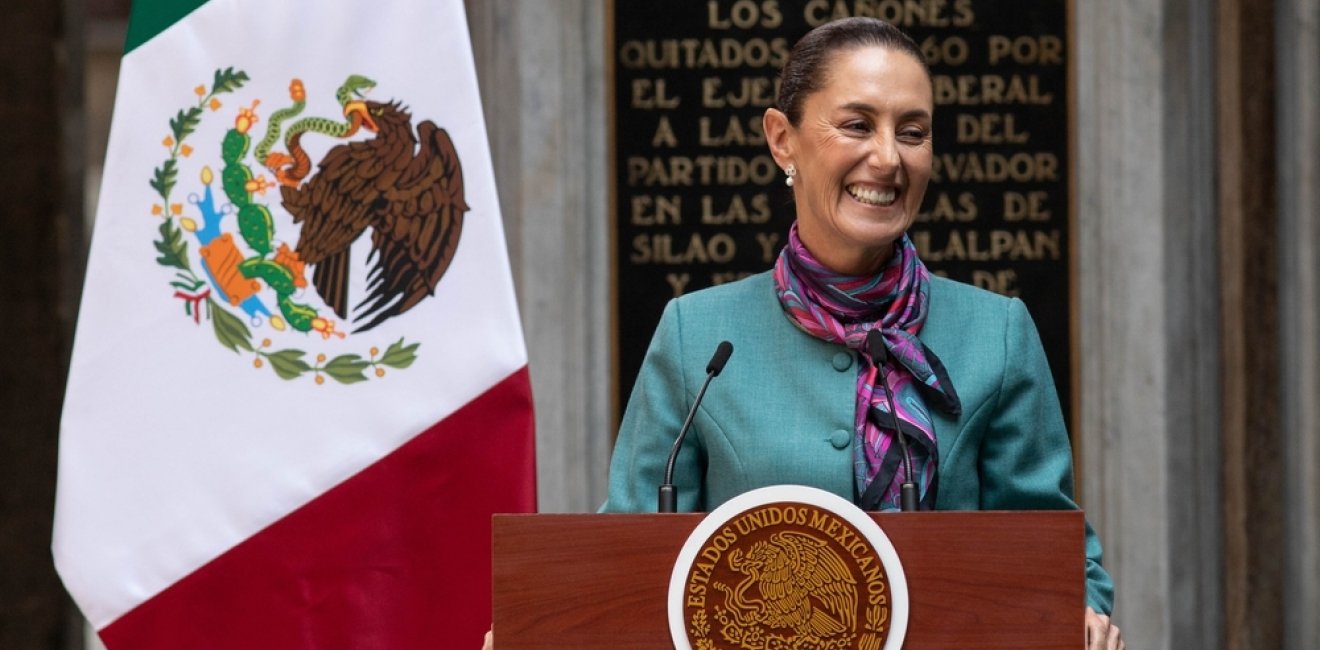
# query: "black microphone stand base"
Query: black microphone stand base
668,499
908,497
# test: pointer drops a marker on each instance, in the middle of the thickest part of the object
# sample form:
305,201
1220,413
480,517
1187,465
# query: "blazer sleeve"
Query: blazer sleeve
1026,458
654,414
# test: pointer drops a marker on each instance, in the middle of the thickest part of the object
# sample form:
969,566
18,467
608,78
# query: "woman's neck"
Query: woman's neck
848,262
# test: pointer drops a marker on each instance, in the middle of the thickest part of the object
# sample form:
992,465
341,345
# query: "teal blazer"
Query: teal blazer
782,410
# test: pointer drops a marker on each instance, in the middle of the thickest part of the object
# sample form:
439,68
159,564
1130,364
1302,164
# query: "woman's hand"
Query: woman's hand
490,640
1101,633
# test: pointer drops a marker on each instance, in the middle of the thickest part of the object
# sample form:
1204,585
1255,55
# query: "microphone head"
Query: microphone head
875,346
722,352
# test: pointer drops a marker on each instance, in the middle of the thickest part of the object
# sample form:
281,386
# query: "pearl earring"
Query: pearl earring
791,171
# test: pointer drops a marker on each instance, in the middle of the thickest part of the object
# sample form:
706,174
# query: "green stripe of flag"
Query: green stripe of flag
151,17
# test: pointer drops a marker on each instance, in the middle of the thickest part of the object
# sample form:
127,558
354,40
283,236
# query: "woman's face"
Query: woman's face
863,156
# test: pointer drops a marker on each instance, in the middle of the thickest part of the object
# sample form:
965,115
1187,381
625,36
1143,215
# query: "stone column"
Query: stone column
1148,315
1297,53
541,70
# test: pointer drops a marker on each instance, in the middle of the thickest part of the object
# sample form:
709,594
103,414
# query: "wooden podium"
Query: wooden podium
976,579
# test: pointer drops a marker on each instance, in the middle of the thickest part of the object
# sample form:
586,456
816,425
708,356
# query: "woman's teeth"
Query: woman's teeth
871,196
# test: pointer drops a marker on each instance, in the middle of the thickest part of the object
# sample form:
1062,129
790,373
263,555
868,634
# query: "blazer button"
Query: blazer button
840,439
842,361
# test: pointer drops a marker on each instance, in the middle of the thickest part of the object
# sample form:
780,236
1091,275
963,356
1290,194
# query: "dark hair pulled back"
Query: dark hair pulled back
805,71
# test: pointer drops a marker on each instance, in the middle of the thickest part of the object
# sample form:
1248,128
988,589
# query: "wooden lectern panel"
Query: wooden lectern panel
975,579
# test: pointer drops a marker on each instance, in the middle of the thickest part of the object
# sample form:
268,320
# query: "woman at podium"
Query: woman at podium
856,371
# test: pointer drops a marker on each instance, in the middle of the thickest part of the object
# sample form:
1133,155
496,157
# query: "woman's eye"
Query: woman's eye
856,127
912,135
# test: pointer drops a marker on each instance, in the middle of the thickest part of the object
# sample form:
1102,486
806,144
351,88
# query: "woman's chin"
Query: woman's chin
877,226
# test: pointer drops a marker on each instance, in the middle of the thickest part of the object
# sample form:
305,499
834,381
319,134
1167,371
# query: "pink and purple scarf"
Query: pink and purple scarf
842,309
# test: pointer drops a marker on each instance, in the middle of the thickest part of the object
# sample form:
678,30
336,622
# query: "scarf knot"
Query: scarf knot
843,309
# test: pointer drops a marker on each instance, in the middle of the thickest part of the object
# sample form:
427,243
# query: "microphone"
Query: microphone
875,344
668,493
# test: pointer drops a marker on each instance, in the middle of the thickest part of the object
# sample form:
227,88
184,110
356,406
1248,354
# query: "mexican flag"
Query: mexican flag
299,385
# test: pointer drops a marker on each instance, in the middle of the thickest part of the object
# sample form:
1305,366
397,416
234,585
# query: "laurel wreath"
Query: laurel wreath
700,626
230,331
755,637
876,617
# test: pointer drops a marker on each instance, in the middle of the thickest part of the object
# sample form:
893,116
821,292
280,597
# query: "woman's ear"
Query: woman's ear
778,136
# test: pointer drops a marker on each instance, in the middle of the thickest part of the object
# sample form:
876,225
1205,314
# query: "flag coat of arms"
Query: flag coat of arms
299,385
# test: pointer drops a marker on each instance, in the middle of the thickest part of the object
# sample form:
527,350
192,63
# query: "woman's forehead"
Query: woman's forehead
871,70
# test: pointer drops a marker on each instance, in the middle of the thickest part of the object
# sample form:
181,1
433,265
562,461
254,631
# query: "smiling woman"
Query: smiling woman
858,372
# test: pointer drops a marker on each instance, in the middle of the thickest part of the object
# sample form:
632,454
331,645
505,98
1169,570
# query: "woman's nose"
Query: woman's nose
884,153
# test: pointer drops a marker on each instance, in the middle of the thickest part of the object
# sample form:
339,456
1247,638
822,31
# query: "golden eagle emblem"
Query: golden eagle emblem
800,584
784,575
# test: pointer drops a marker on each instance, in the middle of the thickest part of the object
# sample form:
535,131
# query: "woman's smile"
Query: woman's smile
868,196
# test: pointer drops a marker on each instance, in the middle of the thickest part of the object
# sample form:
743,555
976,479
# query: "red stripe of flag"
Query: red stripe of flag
395,557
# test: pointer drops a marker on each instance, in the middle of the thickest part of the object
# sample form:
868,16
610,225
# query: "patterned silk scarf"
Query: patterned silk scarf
843,309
